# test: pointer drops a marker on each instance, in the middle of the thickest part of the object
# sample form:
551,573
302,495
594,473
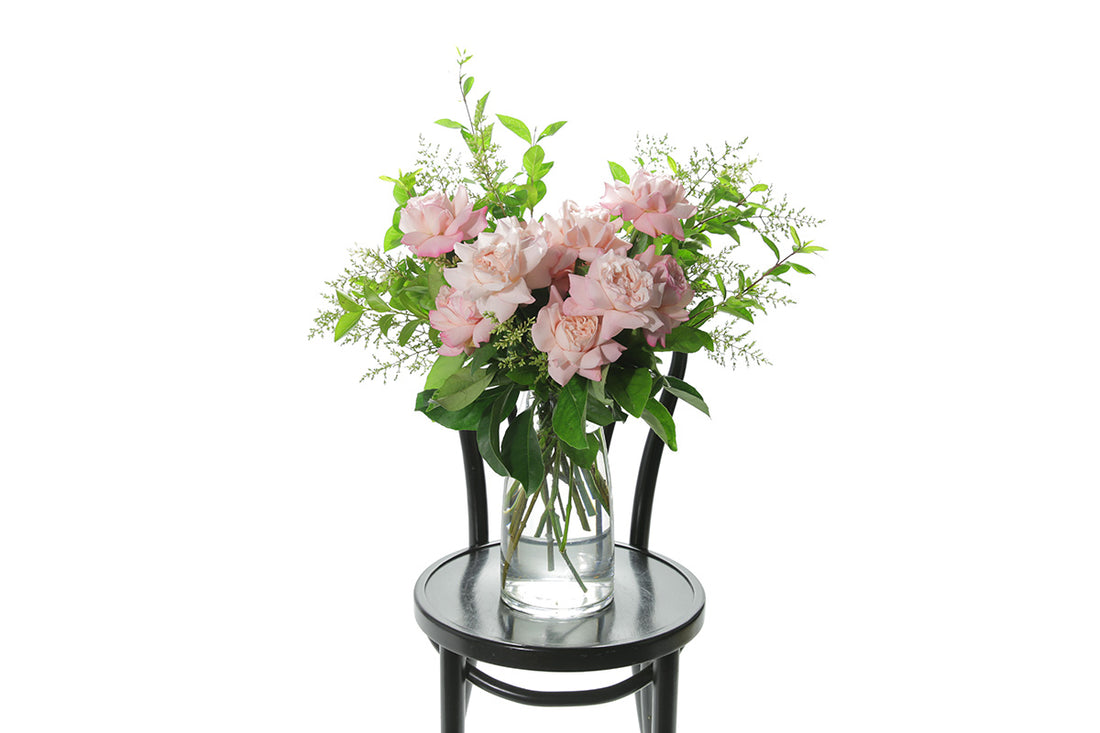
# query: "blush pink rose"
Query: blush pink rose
493,271
433,224
460,324
555,266
589,232
655,205
574,344
619,289
677,294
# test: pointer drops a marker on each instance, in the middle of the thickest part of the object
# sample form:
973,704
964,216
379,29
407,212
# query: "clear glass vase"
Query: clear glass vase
557,548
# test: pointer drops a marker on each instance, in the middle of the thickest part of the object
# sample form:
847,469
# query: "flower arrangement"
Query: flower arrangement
574,309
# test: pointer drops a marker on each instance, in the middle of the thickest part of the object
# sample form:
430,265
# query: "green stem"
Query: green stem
576,575
514,536
568,509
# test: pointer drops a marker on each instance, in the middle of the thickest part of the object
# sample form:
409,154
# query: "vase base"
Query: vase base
556,599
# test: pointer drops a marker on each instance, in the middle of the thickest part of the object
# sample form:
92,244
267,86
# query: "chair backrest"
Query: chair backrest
477,506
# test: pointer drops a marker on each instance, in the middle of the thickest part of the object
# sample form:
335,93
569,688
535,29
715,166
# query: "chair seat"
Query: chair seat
657,609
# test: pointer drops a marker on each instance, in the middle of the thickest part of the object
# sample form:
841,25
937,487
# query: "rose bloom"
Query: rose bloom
589,231
555,266
619,289
574,344
493,270
655,205
460,324
677,293
433,224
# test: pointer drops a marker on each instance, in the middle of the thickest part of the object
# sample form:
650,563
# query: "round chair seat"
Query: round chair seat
657,609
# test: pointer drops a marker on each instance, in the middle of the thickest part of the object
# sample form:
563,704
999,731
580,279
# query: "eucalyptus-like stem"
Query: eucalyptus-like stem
752,286
478,150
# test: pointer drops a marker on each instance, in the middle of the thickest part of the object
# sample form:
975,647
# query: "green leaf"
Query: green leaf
598,413
435,281
701,313
374,300
516,126
524,375
598,387
630,388
407,332
400,193
618,172
721,283
530,194
488,429
393,238
479,113
585,456
462,388
465,419
686,257
451,124
778,270
532,160
801,268
771,246
347,303
794,236
443,368
759,187
521,454
812,248
659,419
672,165
551,129
385,322
688,340
569,414
345,324
482,356
467,86
737,308
687,393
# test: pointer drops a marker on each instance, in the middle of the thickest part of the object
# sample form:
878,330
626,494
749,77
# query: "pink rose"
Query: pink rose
589,232
574,344
556,264
493,270
433,224
677,294
556,267
655,205
459,322
618,288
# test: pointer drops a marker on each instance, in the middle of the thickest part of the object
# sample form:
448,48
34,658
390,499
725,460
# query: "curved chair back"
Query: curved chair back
477,506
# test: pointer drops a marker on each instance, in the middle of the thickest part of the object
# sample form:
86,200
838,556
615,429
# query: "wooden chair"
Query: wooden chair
657,609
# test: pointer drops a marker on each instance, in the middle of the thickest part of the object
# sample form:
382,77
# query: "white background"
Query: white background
208,523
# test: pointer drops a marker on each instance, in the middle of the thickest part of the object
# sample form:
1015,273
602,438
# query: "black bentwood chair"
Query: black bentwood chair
657,609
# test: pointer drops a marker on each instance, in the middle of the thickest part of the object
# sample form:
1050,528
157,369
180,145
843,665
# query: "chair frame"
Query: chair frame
654,682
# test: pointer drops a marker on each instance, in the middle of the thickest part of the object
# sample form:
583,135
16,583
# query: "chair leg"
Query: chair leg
469,685
452,692
666,672
643,700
